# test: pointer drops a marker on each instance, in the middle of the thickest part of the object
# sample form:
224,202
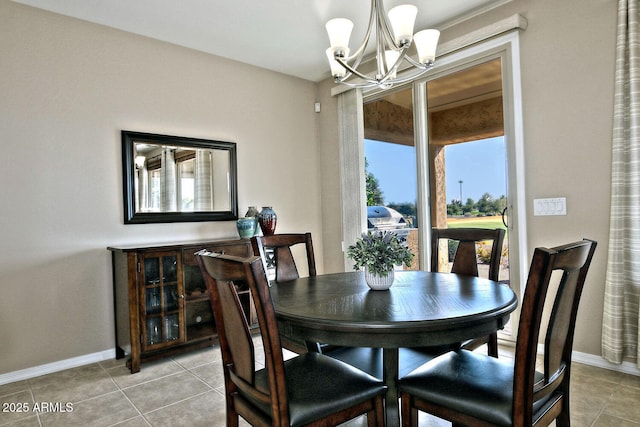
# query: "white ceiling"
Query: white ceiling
287,36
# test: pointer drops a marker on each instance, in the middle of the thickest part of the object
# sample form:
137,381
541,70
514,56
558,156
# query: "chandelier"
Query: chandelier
394,37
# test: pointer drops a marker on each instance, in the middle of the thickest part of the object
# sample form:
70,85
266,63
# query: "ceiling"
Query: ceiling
286,36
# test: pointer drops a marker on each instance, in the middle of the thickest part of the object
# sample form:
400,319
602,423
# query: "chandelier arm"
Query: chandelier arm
385,29
384,84
394,68
413,75
418,64
382,77
380,55
359,53
354,85
385,40
357,60
354,71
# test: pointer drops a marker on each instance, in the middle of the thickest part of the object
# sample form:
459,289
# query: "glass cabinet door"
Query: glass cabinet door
162,299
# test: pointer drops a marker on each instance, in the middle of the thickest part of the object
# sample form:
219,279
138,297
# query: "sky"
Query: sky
480,165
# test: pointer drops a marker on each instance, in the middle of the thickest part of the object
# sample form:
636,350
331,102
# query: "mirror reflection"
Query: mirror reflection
178,179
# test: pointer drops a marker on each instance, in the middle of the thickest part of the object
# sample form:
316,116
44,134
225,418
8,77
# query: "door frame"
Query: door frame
505,47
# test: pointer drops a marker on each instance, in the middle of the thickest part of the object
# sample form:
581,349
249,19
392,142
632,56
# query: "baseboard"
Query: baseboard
61,365
589,359
600,362
74,362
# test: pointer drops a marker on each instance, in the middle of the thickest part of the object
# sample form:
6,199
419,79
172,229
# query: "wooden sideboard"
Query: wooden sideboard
161,302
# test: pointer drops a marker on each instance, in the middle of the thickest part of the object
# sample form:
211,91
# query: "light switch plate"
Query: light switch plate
553,206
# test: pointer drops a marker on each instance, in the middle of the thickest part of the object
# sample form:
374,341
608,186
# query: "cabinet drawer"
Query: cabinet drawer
240,249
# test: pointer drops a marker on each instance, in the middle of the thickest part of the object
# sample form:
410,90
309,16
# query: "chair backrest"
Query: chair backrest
236,344
465,260
283,257
572,261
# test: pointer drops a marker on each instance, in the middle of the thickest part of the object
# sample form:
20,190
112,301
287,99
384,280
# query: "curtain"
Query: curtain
142,201
203,181
622,283
168,196
351,145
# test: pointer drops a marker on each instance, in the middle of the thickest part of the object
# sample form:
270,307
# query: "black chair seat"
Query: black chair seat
366,359
469,383
318,386
370,359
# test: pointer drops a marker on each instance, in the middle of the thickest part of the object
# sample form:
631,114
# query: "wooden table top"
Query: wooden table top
421,308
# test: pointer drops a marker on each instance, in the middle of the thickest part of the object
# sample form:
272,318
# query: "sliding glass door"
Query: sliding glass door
446,151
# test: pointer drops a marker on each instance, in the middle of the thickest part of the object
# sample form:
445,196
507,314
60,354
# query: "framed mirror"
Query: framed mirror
178,179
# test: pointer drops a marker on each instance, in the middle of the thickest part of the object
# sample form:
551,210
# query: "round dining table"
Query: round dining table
420,309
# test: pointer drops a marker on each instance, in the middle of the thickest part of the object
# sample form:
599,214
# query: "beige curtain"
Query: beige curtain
169,201
622,286
142,201
203,181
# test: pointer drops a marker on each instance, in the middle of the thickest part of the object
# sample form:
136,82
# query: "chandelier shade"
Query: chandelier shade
426,43
393,38
337,70
402,18
339,31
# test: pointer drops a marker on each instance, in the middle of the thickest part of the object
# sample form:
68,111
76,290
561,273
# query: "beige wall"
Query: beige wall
67,88
567,62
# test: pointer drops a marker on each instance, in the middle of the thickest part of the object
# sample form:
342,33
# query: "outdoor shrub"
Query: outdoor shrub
453,247
483,249
484,254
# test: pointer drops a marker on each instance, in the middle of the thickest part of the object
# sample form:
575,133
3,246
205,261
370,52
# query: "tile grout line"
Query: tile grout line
184,370
122,391
176,402
147,381
33,399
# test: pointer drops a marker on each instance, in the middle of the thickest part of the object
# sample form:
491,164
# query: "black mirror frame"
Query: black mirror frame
128,169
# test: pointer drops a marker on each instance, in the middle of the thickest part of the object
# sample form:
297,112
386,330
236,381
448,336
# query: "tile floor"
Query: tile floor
187,391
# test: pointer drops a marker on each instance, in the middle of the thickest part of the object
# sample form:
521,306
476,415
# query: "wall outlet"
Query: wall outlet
546,207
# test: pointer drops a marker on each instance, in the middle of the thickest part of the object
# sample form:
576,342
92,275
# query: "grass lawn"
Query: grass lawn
479,222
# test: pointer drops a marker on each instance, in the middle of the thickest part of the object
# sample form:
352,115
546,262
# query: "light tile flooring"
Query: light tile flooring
187,390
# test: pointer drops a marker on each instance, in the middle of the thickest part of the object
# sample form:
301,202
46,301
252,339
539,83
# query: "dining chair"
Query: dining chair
465,261
473,389
276,252
282,256
310,389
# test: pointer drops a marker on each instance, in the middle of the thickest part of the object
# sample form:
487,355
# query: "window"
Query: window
179,167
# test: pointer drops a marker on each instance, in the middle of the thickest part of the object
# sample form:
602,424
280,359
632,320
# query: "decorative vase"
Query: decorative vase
247,227
251,212
267,219
377,282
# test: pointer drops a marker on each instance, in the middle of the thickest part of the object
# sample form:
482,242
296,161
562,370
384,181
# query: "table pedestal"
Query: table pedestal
390,366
